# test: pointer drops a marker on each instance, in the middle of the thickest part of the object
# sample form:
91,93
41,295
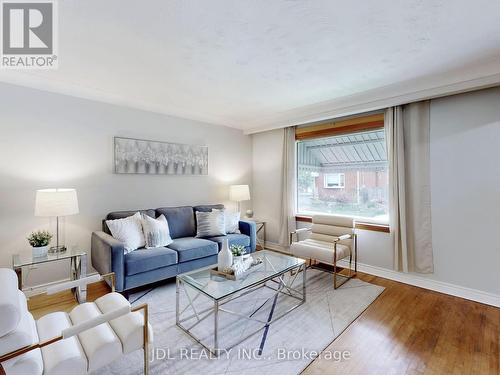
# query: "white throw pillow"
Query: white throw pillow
232,220
156,231
210,224
128,231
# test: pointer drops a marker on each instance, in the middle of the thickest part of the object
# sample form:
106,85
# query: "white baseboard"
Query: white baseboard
276,247
405,278
426,283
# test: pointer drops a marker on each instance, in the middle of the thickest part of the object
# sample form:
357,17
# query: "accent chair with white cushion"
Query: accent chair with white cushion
331,239
91,336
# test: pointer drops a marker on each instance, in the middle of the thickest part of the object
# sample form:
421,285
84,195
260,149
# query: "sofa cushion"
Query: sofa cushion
144,260
180,220
122,215
234,239
189,248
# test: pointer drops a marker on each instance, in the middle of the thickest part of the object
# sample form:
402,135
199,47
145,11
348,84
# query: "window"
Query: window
344,174
334,180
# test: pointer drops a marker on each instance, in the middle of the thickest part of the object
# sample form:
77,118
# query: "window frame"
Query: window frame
342,127
341,180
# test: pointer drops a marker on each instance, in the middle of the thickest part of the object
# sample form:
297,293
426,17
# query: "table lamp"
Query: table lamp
238,193
56,202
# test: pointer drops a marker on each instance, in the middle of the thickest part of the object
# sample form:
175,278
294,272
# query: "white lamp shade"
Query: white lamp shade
56,202
238,193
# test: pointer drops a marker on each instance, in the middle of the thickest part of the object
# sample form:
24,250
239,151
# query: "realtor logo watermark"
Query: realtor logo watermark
29,34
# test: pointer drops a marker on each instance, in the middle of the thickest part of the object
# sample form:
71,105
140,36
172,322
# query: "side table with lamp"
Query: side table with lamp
55,203
239,193
77,261
261,233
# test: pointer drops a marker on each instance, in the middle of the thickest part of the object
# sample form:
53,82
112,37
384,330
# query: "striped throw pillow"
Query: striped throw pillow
156,231
210,224
232,221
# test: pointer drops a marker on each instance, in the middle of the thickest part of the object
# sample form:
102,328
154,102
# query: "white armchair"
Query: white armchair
331,239
91,336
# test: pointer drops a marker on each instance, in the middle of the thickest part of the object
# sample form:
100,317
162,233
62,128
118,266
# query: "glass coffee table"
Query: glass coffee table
207,295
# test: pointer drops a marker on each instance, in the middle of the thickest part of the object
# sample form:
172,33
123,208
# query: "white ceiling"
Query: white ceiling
257,64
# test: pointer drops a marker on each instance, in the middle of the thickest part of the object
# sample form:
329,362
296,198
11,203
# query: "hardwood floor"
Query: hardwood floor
64,301
407,330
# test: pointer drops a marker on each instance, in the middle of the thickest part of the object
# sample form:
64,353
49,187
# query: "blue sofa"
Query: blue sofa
185,253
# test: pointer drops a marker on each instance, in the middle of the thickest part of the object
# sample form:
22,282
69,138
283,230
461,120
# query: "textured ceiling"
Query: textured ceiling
242,63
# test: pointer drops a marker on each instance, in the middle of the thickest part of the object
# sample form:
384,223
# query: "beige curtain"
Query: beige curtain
408,145
287,222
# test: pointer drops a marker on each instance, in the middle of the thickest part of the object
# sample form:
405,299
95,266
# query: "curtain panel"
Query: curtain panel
288,198
408,146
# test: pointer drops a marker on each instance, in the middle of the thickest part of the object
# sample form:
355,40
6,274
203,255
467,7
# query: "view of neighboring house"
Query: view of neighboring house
346,174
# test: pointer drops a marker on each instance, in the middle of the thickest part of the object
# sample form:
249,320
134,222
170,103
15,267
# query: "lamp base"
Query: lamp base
57,249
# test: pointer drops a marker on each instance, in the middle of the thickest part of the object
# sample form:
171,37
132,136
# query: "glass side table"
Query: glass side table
78,267
261,232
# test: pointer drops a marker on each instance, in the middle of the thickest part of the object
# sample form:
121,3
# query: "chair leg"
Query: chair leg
146,341
350,265
145,334
355,253
335,266
350,275
146,358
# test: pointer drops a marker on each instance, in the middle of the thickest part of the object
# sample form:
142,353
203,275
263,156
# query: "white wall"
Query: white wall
50,140
267,149
465,188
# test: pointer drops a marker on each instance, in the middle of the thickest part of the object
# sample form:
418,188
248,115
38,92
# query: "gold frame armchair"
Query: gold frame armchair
331,239
111,315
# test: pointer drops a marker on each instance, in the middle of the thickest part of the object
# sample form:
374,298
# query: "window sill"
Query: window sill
359,225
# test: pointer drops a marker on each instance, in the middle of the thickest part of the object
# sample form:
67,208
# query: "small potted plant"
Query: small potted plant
39,242
239,253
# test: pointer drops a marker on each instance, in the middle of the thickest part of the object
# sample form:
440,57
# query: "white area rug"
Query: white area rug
286,347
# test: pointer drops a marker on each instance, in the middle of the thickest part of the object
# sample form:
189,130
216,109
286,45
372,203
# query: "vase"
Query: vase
40,251
225,257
